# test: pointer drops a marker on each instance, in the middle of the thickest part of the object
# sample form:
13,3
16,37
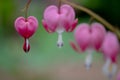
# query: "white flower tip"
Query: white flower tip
60,41
88,66
109,69
27,43
88,61
60,44
114,70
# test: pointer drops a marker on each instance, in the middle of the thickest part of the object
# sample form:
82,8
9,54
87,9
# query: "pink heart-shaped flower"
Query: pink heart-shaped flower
89,35
62,18
26,27
110,46
110,49
88,38
59,19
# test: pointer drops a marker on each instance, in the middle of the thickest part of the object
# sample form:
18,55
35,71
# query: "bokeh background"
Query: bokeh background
46,61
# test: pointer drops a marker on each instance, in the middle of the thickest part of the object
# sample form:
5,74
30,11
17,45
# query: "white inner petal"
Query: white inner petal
60,30
88,60
106,66
114,70
27,43
109,68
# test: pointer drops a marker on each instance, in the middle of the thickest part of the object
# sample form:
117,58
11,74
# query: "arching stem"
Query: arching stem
95,16
91,20
26,8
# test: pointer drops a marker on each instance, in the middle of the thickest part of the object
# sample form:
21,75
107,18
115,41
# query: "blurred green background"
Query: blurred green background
44,56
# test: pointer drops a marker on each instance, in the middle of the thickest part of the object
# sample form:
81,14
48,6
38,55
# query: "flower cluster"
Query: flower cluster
94,37
89,37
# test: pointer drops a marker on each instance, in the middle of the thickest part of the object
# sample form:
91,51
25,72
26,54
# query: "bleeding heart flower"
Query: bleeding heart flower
26,28
110,49
59,20
88,38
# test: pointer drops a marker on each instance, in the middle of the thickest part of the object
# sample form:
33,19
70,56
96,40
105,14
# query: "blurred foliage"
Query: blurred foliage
111,11
93,4
108,9
7,11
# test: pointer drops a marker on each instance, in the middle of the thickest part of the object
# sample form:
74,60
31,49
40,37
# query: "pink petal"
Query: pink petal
73,25
74,47
68,11
67,17
82,36
98,34
110,46
26,27
46,27
51,17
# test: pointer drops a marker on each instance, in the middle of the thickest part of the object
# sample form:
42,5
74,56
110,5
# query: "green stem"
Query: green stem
91,20
95,16
59,5
26,8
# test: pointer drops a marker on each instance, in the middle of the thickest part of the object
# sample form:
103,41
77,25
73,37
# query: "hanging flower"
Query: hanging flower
26,28
89,38
110,49
59,20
